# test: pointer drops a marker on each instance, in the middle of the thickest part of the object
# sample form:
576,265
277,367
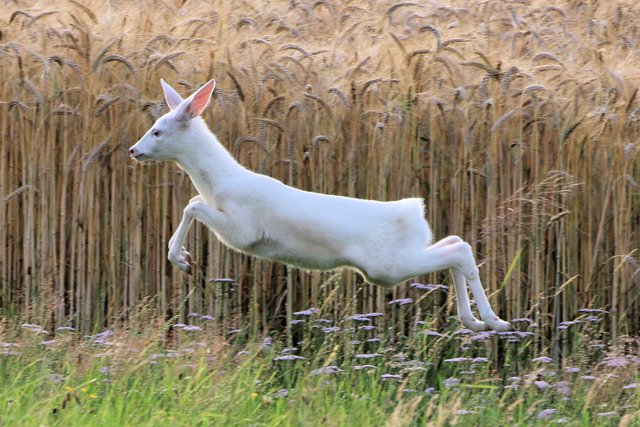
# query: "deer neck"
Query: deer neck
209,165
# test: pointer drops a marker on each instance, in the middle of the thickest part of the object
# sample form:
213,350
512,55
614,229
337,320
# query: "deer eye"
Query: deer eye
156,133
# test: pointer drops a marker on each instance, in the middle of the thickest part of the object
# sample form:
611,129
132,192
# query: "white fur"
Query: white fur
386,242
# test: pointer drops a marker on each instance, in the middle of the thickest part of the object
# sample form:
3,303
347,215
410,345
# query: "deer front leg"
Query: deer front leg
196,209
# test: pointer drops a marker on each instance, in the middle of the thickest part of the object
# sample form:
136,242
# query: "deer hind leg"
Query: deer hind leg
453,253
465,314
471,273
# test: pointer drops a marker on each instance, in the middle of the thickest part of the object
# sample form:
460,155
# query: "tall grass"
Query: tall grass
356,374
516,121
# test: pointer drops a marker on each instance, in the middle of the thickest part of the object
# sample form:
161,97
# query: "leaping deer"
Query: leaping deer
386,242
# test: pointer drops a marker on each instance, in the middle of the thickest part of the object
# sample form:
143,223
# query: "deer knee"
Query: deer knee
193,208
195,199
465,261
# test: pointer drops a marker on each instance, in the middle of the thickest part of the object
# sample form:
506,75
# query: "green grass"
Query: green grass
164,375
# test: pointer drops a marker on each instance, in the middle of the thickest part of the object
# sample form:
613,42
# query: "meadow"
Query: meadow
517,121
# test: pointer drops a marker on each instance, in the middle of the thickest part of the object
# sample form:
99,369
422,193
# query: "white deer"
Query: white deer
386,242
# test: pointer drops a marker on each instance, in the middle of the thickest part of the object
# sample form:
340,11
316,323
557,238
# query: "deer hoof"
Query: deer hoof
182,261
499,325
474,325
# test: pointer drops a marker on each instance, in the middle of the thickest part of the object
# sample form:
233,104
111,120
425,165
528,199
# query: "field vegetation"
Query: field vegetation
518,122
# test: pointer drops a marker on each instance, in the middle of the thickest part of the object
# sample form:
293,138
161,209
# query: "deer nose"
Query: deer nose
132,152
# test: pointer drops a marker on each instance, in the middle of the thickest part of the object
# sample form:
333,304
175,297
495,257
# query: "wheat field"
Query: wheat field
518,122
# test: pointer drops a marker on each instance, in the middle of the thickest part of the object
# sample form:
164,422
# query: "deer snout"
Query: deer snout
134,152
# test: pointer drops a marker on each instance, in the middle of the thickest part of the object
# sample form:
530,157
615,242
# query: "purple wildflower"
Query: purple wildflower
429,287
607,414
281,394
193,315
615,362
631,386
179,325
387,377
361,367
482,336
242,353
307,312
420,286
207,317
588,378
542,385
192,328
36,329
296,321
327,370
56,378
359,318
564,388
289,350
545,414
222,280
372,315
451,382
572,370
456,360
355,342
592,310
367,355
331,329
429,390
434,334
65,328
564,325
593,319
519,334
401,301
409,390
399,357
542,359
480,360
374,340
367,328
288,357
102,337
463,331
266,343
168,355
522,319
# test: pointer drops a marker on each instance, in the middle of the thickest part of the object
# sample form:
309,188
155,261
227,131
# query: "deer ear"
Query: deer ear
172,97
194,105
